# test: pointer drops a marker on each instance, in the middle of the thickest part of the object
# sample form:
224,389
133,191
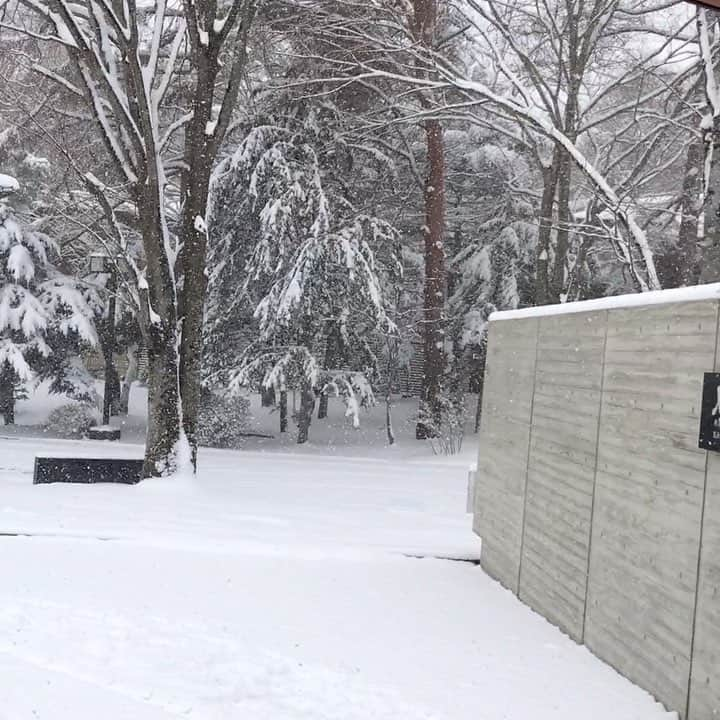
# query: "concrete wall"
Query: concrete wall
561,467
705,681
507,405
593,501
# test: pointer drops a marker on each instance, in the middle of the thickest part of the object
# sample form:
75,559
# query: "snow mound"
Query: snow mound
8,183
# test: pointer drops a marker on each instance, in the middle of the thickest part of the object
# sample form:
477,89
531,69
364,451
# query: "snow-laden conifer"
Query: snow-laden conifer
290,246
45,316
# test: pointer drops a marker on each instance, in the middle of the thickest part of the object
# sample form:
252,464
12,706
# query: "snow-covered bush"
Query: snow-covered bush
446,429
354,389
222,420
72,420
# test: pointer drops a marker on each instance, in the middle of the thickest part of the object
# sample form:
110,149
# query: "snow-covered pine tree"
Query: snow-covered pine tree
45,316
283,220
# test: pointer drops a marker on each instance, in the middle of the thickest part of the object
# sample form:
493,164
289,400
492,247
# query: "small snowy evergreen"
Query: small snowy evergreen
45,316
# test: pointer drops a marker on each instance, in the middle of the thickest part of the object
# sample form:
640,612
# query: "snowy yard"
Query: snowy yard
309,200
275,587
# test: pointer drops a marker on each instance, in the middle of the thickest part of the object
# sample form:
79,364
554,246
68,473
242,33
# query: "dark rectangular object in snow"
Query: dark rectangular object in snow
87,470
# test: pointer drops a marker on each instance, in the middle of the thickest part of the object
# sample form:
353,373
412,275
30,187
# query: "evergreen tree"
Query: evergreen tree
45,317
284,221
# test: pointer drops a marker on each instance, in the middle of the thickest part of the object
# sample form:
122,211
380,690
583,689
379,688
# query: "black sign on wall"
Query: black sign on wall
710,413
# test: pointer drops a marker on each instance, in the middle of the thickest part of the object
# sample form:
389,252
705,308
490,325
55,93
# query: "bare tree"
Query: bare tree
552,79
582,71
126,62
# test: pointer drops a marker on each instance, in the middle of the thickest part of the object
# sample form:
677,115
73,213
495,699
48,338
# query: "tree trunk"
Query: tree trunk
388,420
108,348
678,265
434,290
562,240
163,446
307,405
201,147
283,411
115,392
424,29
564,166
547,207
481,388
687,266
130,377
7,394
392,347
333,359
388,417
193,300
710,261
323,405
267,396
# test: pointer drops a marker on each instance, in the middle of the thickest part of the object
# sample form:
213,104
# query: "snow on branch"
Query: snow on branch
8,184
711,86
539,122
355,390
277,368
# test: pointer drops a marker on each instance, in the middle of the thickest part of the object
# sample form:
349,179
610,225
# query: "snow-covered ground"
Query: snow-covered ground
276,586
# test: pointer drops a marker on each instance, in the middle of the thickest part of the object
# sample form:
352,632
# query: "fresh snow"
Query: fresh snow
8,183
199,224
20,264
35,162
711,291
712,92
276,586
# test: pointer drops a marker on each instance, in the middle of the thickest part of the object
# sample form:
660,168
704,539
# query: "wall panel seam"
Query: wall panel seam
595,473
527,459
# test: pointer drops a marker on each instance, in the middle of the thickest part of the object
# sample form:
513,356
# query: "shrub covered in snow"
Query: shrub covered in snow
222,420
72,420
446,428
355,390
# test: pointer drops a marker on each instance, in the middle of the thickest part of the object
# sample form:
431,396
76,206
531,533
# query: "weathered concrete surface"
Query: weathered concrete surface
705,684
504,439
704,701
591,493
561,468
649,494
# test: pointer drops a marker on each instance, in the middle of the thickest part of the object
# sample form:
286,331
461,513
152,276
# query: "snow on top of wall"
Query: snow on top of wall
659,297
